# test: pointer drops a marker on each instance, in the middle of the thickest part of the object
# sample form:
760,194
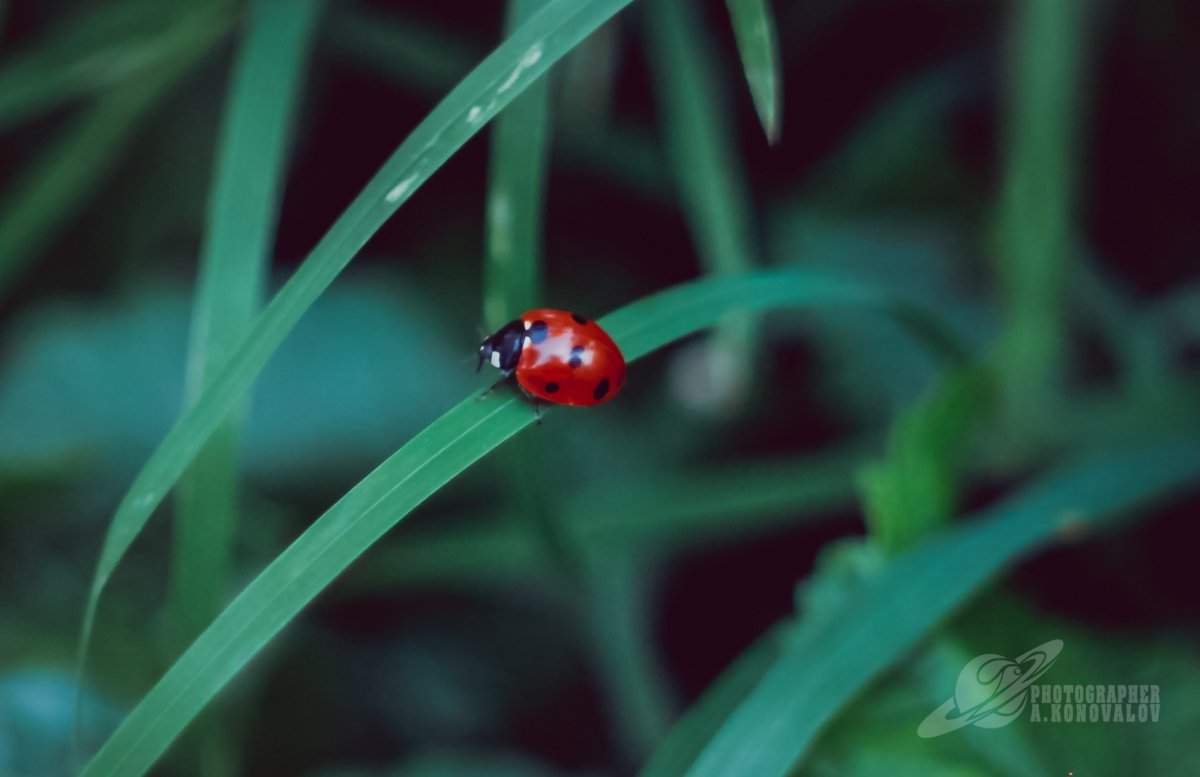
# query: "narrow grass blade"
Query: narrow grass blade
68,171
99,49
754,29
491,86
512,277
688,736
1035,231
824,666
447,447
233,268
700,147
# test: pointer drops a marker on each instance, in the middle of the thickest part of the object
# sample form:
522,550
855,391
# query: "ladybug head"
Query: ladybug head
503,349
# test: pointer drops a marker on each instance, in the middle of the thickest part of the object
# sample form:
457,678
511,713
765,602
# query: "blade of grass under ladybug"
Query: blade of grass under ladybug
46,196
712,192
448,446
754,30
491,86
882,620
680,511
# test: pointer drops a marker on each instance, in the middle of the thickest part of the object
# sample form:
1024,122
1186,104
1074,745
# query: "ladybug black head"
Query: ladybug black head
503,349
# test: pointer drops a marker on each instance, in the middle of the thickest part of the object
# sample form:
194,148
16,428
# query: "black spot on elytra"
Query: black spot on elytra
601,390
576,356
537,332
579,319
551,388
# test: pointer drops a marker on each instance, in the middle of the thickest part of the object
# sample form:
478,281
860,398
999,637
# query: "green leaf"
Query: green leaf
431,459
826,664
914,490
233,269
491,86
754,28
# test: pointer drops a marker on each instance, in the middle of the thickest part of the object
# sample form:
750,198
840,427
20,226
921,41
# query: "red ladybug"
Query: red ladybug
558,356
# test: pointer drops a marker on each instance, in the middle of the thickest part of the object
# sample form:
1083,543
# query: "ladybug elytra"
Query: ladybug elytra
558,357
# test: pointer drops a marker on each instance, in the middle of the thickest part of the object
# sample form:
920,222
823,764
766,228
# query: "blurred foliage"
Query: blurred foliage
973,224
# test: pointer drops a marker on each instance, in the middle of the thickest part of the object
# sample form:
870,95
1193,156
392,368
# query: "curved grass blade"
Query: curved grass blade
754,29
448,446
824,666
491,86
229,290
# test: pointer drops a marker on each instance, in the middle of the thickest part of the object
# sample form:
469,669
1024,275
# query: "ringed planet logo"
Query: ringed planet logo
991,691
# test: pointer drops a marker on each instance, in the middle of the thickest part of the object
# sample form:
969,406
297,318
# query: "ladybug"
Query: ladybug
558,357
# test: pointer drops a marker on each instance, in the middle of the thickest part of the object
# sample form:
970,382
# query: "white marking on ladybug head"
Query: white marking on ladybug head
496,359
528,325
527,343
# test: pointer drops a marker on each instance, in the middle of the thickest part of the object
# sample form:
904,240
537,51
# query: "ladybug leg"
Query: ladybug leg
537,411
492,388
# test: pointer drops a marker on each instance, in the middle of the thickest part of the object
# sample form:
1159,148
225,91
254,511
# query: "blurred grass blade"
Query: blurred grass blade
448,446
700,146
516,198
417,55
233,266
688,736
507,72
1036,240
882,619
754,29
100,49
68,171
914,490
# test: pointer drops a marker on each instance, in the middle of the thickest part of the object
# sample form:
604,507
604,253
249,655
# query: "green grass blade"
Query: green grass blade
700,147
229,290
417,55
512,276
688,736
99,49
1035,232
491,86
668,512
884,618
77,161
754,29
445,448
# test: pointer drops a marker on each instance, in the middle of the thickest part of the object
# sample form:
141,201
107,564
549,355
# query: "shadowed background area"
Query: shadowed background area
656,586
